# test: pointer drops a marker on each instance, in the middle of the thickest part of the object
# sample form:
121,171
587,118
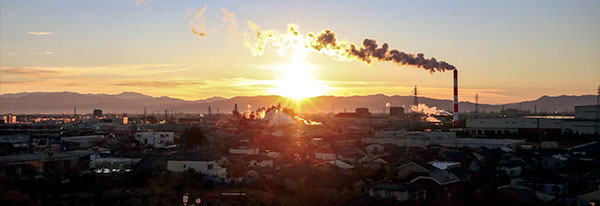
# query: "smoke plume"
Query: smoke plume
229,18
326,42
199,30
429,112
424,109
277,116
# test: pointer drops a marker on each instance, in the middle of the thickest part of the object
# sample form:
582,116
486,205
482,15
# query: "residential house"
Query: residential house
398,191
413,167
204,163
258,161
441,183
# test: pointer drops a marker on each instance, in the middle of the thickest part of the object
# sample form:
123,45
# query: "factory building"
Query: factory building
585,122
447,139
97,113
397,111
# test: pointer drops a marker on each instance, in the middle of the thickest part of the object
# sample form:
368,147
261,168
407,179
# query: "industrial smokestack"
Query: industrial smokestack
455,116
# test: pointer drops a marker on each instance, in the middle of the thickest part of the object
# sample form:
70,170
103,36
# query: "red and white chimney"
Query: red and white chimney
455,116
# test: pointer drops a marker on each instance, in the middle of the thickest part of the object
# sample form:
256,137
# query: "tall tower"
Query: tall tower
209,111
455,115
415,93
145,116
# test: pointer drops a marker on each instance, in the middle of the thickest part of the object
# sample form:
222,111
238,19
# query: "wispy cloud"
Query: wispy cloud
40,33
45,53
158,84
28,71
139,2
200,29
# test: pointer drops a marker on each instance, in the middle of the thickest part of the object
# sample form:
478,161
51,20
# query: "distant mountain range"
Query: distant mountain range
134,103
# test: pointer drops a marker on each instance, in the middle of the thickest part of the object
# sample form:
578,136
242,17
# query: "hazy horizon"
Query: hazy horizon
267,95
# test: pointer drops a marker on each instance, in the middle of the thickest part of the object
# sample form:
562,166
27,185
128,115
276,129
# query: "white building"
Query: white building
585,121
447,139
203,163
156,139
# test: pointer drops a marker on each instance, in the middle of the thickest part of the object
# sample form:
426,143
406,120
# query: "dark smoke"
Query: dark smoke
326,40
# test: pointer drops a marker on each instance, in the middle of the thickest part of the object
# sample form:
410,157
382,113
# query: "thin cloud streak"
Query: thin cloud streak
28,71
40,33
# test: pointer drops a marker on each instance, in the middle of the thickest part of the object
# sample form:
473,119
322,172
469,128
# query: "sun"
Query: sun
298,81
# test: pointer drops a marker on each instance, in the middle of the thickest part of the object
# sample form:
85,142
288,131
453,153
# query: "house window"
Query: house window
184,166
209,166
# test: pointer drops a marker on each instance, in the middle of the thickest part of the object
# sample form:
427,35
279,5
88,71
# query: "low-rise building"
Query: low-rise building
156,139
258,161
204,163
398,191
83,141
243,151
584,122
446,139
30,164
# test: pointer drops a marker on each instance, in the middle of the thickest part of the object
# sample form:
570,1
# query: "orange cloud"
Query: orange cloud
199,30
139,2
28,72
40,33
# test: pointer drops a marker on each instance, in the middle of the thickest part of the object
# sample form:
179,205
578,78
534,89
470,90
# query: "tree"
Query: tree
193,136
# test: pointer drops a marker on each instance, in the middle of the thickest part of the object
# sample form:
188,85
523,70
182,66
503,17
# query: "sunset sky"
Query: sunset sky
506,51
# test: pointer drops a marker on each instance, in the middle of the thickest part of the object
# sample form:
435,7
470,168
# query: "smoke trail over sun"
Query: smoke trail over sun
326,42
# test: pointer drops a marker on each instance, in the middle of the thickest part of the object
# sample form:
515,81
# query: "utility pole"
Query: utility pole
597,111
166,115
476,103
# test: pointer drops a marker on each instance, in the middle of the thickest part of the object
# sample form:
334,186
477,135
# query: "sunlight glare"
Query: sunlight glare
297,81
